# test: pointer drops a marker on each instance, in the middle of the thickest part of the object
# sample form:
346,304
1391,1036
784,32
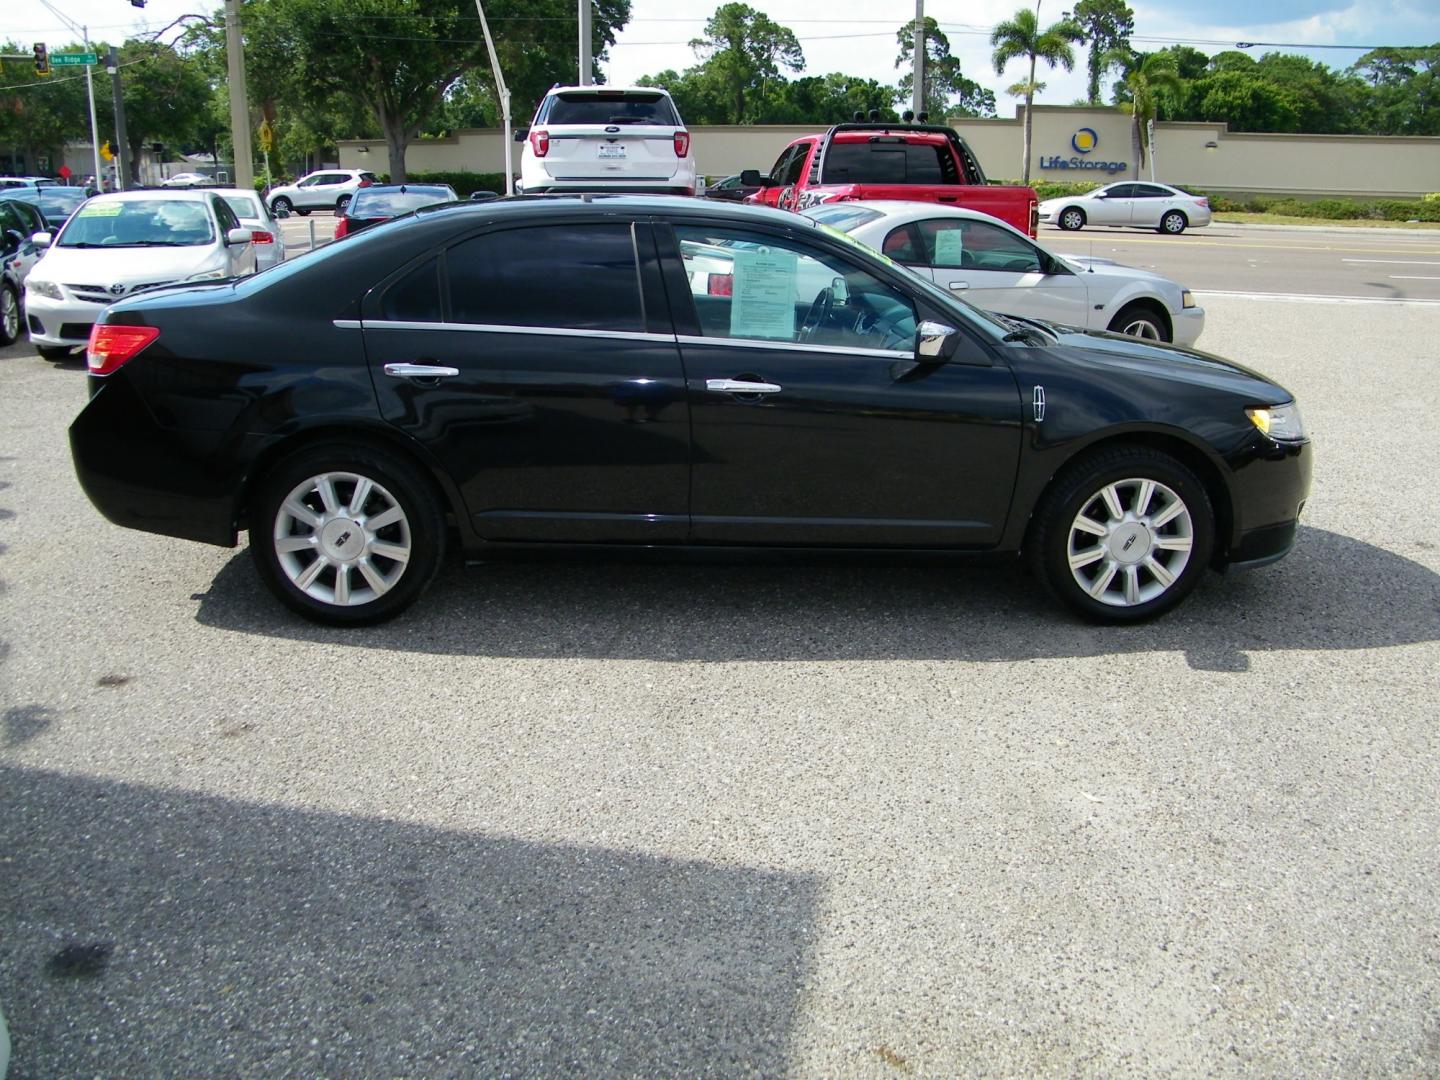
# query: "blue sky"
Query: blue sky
858,36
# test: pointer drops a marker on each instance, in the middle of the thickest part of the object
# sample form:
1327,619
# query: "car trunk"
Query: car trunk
630,151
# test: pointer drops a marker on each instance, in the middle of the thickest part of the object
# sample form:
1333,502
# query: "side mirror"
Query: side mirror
752,178
521,134
41,239
935,340
13,239
239,236
484,196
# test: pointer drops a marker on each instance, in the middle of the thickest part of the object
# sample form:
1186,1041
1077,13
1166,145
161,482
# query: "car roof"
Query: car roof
395,189
233,191
912,210
169,194
608,89
601,205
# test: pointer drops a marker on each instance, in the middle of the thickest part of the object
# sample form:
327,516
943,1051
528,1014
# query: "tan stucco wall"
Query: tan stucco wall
1301,164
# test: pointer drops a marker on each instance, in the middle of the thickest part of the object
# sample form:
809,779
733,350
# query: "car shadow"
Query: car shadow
1332,592
146,929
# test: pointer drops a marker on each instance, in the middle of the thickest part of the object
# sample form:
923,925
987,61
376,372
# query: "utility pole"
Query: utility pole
239,102
585,64
917,99
89,86
503,92
122,144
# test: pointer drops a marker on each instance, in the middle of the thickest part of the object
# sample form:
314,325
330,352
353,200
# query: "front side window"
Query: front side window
957,243
751,286
577,277
796,165
139,223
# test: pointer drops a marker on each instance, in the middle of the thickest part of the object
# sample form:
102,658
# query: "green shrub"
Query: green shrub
464,183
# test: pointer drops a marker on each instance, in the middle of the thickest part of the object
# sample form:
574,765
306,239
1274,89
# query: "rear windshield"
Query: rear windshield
388,204
609,107
846,218
243,207
889,163
138,223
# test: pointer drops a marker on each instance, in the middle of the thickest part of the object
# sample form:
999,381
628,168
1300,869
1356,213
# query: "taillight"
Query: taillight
258,237
1203,202
721,285
111,346
540,143
1034,220
342,227
682,143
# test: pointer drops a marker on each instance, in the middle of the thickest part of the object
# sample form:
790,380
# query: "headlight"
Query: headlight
209,275
1187,298
1279,422
44,288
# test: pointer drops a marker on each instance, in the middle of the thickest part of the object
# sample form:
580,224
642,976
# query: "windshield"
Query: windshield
388,204
610,107
244,206
842,216
138,223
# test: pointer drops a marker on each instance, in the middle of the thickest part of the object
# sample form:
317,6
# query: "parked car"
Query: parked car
999,268
876,160
265,231
55,203
328,189
372,205
1129,204
186,180
540,372
19,222
606,138
123,243
731,189
31,182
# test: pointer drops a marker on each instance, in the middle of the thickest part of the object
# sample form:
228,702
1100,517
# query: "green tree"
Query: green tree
832,99
1149,79
1021,36
1105,25
946,92
1245,101
40,114
1404,89
167,97
743,54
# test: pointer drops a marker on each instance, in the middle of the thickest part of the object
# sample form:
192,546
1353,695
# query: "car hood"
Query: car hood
1109,268
123,266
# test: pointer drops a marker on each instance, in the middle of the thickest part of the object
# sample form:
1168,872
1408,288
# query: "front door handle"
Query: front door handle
741,386
420,371
959,284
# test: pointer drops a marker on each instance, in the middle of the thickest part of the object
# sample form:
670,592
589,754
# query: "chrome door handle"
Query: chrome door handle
420,371
740,386
959,284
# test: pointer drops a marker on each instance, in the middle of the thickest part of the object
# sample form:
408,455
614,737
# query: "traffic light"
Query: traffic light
42,59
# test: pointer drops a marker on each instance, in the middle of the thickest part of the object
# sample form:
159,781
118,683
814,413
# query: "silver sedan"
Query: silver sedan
1130,205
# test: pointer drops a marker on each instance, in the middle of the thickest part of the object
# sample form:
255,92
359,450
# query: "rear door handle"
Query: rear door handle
420,371
740,386
959,284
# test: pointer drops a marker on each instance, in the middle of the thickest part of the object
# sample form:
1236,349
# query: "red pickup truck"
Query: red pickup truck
915,162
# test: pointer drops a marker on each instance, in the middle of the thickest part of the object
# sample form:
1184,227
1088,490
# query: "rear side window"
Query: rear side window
889,163
575,277
609,107
415,297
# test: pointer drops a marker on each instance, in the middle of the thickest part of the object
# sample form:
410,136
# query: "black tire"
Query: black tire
1071,219
1142,319
341,539
302,212
1173,223
281,203
340,204
55,352
1122,596
9,314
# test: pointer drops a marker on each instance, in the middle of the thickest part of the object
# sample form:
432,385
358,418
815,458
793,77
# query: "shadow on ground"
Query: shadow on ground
154,933
1332,592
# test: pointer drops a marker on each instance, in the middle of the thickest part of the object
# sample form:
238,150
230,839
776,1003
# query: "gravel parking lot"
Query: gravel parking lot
619,818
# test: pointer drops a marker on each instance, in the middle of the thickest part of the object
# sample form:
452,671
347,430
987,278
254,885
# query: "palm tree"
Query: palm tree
1022,36
1149,77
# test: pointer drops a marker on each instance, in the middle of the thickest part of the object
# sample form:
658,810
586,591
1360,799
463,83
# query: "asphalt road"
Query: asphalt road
620,819
1383,264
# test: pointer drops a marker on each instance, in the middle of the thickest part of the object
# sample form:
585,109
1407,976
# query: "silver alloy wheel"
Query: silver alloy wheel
1173,223
9,313
1072,219
1130,542
342,539
1142,326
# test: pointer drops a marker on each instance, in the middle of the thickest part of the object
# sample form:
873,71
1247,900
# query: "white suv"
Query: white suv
606,138
328,189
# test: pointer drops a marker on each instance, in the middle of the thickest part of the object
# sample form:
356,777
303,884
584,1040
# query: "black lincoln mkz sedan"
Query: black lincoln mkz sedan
665,373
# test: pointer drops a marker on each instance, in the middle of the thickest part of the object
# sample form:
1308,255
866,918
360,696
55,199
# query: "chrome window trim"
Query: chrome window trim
496,328
347,324
790,346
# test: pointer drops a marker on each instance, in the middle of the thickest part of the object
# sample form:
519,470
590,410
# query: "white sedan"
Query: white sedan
1129,205
185,180
983,260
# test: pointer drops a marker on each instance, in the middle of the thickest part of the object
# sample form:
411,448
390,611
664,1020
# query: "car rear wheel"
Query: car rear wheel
9,314
341,203
1173,223
347,535
1122,535
1072,218
1141,320
281,205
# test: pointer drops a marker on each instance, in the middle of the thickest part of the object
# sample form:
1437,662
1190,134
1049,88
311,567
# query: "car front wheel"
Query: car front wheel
1173,223
1141,320
1072,218
341,203
347,535
1122,535
9,314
